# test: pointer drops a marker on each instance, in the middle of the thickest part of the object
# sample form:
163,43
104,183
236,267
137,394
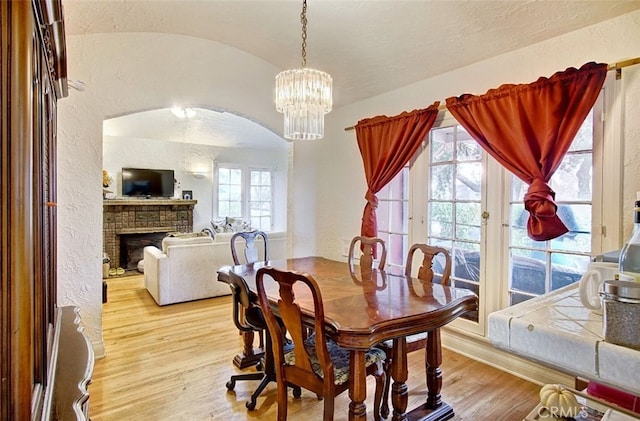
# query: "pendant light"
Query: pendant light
304,95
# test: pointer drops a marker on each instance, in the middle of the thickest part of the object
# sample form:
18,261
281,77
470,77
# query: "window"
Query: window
229,192
454,202
260,199
463,200
247,194
393,217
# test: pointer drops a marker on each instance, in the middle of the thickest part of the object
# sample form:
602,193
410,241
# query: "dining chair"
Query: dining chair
251,252
316,363
251,255
367,245
425,273
248,318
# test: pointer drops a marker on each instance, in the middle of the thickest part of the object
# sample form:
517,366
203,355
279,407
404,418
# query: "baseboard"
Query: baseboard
480,349
99,351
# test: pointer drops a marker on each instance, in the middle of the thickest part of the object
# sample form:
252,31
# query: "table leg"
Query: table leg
357,386
434,373
249,356
399,373
433,409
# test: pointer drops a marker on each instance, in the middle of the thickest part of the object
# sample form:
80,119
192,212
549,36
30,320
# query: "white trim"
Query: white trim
480,349
613,161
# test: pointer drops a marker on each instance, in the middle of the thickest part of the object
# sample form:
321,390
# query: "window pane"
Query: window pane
572,179
382,214
584,138
400,216
441,144
469,181
235,193
467,148
468,219
235,176
441,220
223,176
235,210
441,182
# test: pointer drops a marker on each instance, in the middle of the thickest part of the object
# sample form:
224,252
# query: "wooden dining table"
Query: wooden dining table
365,307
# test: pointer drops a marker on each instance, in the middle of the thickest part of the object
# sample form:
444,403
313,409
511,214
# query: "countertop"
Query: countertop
557,330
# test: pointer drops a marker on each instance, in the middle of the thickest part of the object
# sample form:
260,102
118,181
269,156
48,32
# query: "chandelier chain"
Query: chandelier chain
303,20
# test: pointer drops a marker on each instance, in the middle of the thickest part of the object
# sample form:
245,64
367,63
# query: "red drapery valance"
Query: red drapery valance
386,145
529,128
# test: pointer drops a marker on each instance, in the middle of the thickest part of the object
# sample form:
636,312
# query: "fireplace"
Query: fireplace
125,219
132,247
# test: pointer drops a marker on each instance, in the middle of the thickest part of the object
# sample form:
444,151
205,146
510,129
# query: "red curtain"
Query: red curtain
386,145
529,128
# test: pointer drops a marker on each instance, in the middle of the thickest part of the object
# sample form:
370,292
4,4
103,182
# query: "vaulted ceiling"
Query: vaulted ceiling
368,46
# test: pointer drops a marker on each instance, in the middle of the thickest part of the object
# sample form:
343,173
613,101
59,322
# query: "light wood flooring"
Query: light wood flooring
172,363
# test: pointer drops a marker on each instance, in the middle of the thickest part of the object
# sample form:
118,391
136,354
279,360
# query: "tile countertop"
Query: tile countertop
557,330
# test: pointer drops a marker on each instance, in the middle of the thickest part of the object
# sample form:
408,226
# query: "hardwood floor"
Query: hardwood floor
172,363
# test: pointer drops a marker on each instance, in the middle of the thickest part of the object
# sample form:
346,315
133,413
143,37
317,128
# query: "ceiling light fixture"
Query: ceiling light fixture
304,95
181,112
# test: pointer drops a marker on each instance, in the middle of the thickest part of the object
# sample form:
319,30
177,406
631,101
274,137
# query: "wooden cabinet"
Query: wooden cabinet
33,78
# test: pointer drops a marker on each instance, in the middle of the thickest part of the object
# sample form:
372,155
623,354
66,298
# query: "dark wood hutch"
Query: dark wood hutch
45,359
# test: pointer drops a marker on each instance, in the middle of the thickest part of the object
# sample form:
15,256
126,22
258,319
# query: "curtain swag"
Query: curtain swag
529,129
386,145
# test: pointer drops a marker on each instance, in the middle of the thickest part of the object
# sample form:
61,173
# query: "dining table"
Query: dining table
365,307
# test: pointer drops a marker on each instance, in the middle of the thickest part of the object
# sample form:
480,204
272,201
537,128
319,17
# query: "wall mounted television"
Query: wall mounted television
147,182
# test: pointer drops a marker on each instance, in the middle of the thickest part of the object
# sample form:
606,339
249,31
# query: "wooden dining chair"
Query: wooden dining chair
251,253
367,245
426,274
316,363
248,318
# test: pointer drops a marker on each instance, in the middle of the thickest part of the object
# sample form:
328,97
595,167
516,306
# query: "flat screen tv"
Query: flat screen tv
147,182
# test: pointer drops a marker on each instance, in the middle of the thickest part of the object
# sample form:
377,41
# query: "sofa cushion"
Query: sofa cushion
183,241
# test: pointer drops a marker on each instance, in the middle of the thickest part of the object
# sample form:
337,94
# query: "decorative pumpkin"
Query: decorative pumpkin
559,401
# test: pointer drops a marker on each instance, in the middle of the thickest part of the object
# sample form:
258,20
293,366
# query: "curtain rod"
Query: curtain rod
615,66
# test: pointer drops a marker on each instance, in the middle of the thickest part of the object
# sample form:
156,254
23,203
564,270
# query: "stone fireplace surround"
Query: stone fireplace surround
142,216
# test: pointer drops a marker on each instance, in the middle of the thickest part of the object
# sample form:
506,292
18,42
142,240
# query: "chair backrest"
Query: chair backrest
246,315
301,371
430,253
251,253
367,245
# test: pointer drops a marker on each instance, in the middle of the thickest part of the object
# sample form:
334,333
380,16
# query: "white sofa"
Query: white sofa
186,267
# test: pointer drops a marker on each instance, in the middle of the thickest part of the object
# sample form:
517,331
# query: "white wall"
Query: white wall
129,72
122,152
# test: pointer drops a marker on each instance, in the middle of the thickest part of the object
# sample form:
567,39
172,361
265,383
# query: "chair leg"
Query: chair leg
231,384
282,400
384,408
266,379
380,377
328,408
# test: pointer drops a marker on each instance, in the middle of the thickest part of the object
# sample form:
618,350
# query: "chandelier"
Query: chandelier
304,95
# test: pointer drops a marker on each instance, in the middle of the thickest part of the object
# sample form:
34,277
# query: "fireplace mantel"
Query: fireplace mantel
148,202
137,216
